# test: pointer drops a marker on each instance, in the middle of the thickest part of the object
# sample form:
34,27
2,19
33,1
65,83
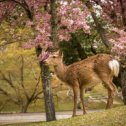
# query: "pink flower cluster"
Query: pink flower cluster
72,17
119,43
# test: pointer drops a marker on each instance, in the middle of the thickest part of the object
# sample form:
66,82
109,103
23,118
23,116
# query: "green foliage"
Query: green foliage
70,52
90,44
70,48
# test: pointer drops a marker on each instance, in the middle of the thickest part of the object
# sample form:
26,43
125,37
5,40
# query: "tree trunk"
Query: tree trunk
54,24
50,110
48,97
123,82
123,11
120,81
24,107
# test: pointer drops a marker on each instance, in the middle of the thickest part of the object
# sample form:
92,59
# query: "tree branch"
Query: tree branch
35,89
99,28
24,5
123,11
22,76
4,92
9,81
3,104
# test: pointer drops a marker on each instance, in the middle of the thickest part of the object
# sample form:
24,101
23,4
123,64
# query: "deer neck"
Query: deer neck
60,70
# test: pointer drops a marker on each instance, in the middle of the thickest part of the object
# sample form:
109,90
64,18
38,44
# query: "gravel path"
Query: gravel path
32,117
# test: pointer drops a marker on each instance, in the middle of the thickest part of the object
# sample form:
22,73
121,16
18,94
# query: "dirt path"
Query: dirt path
32,117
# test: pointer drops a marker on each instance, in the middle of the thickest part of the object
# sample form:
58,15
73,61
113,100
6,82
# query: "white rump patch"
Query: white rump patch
114,66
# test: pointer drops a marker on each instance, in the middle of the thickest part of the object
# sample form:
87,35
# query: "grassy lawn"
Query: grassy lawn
112,117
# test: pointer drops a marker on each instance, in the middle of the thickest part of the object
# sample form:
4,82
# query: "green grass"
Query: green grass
112,117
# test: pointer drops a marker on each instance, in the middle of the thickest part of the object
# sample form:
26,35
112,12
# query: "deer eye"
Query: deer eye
54,57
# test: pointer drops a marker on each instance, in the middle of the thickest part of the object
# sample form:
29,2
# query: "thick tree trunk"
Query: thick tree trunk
50,110
120,81
45,77
123,82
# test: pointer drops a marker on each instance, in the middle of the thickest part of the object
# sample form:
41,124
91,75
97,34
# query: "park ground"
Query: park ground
111,117
95,101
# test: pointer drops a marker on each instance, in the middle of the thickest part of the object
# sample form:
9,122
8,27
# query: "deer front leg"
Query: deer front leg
76,92
82,100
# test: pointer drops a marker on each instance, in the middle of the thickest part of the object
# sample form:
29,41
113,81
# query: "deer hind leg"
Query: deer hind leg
111,90
110,99
79,104
76,92
115,89
82,100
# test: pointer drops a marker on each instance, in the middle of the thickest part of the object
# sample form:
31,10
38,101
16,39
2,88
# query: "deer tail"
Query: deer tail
114,66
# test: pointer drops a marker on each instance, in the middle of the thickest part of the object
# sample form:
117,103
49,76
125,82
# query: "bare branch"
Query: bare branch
33,71
3,104
36,95
6,43
11,84
8,80
22,76
2,91
35,89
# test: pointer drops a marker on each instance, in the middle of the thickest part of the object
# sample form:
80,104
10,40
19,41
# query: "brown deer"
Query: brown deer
87,73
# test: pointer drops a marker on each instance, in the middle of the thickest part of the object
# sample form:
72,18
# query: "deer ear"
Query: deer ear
59,53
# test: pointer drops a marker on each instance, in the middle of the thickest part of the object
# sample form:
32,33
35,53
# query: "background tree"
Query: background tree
14,84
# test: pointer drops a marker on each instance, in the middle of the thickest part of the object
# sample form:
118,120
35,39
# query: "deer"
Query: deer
87,73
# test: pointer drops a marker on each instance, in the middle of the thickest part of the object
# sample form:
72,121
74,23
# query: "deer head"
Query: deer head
54,59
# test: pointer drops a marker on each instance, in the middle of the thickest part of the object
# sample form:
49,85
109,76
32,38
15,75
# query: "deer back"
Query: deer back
90,70
101,66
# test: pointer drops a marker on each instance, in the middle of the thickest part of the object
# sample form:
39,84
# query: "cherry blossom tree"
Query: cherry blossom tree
72,16
114,13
